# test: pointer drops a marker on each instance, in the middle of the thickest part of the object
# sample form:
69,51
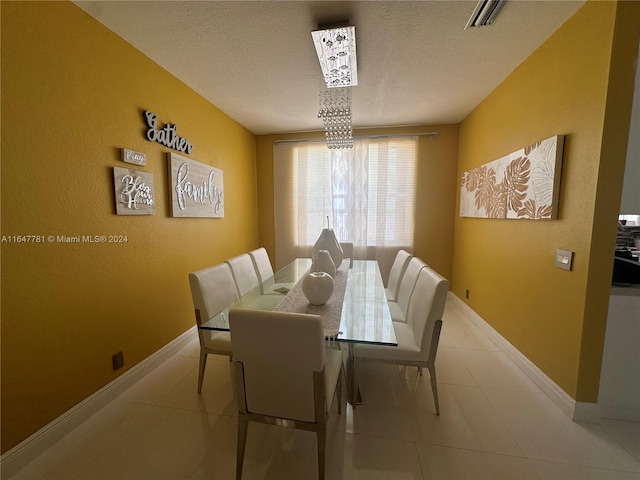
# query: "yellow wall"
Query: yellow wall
556,318
72,95
609,191
436,193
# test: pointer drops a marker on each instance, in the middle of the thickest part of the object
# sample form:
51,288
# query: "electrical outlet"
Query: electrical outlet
466,294
117,359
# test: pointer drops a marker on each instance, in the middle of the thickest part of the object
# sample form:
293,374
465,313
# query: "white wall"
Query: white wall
631,188
620,377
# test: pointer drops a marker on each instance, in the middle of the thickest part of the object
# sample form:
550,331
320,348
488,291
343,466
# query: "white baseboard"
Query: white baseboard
620,413
578,411
587,413
19,456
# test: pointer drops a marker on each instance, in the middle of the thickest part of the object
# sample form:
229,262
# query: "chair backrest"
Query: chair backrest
212,289
426,307
347,252
261,263
244,273
279,352
408,282
397,271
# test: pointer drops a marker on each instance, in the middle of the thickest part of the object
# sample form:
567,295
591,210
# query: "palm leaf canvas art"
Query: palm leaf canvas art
522,185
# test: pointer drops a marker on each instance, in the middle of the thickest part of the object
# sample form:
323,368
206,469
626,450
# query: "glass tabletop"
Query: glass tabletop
365,311
266,295
365,314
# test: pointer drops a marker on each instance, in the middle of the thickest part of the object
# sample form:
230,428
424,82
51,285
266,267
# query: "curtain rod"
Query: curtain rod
424,134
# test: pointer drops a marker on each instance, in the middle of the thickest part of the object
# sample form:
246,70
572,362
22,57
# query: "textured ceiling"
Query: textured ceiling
255,60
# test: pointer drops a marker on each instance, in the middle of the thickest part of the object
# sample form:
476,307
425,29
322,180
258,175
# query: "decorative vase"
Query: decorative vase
317,287
322,262
328,241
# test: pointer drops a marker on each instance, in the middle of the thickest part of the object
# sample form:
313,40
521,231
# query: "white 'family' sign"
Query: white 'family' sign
196,188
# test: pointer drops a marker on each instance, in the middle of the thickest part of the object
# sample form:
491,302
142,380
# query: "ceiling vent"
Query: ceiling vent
485,13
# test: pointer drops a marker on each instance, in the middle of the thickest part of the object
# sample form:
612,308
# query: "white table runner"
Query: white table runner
330,312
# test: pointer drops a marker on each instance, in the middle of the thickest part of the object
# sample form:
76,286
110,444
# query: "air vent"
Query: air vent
485,13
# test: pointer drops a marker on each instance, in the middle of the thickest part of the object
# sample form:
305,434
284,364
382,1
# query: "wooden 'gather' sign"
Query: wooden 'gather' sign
167,136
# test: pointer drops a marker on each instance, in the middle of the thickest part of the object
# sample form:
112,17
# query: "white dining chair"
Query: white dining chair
347,252
264,271
244,273
261,263
395,275
418,338
212,291
398,309
284,374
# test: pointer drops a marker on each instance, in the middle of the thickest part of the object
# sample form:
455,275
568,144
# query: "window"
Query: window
366,194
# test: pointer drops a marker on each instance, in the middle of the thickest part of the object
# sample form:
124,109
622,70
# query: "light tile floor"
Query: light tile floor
494,424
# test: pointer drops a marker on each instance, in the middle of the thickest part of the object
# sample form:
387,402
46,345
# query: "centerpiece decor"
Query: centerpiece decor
328,241
317,287
322,262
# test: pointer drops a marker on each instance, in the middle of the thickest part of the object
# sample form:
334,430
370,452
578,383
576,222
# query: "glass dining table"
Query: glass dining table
365,314
364,317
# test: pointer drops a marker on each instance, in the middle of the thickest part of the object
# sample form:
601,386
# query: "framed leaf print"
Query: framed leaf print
522,185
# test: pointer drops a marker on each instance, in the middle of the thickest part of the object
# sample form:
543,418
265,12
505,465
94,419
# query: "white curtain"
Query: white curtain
366,194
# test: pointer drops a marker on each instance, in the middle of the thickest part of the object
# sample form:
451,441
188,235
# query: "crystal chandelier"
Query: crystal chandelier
335,112
336,49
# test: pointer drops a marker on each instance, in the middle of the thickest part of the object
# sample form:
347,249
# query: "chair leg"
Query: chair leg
203,364
339,388
322,441
434,386
243,426
354,392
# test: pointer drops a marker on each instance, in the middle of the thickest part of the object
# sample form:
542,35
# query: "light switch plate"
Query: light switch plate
564,259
